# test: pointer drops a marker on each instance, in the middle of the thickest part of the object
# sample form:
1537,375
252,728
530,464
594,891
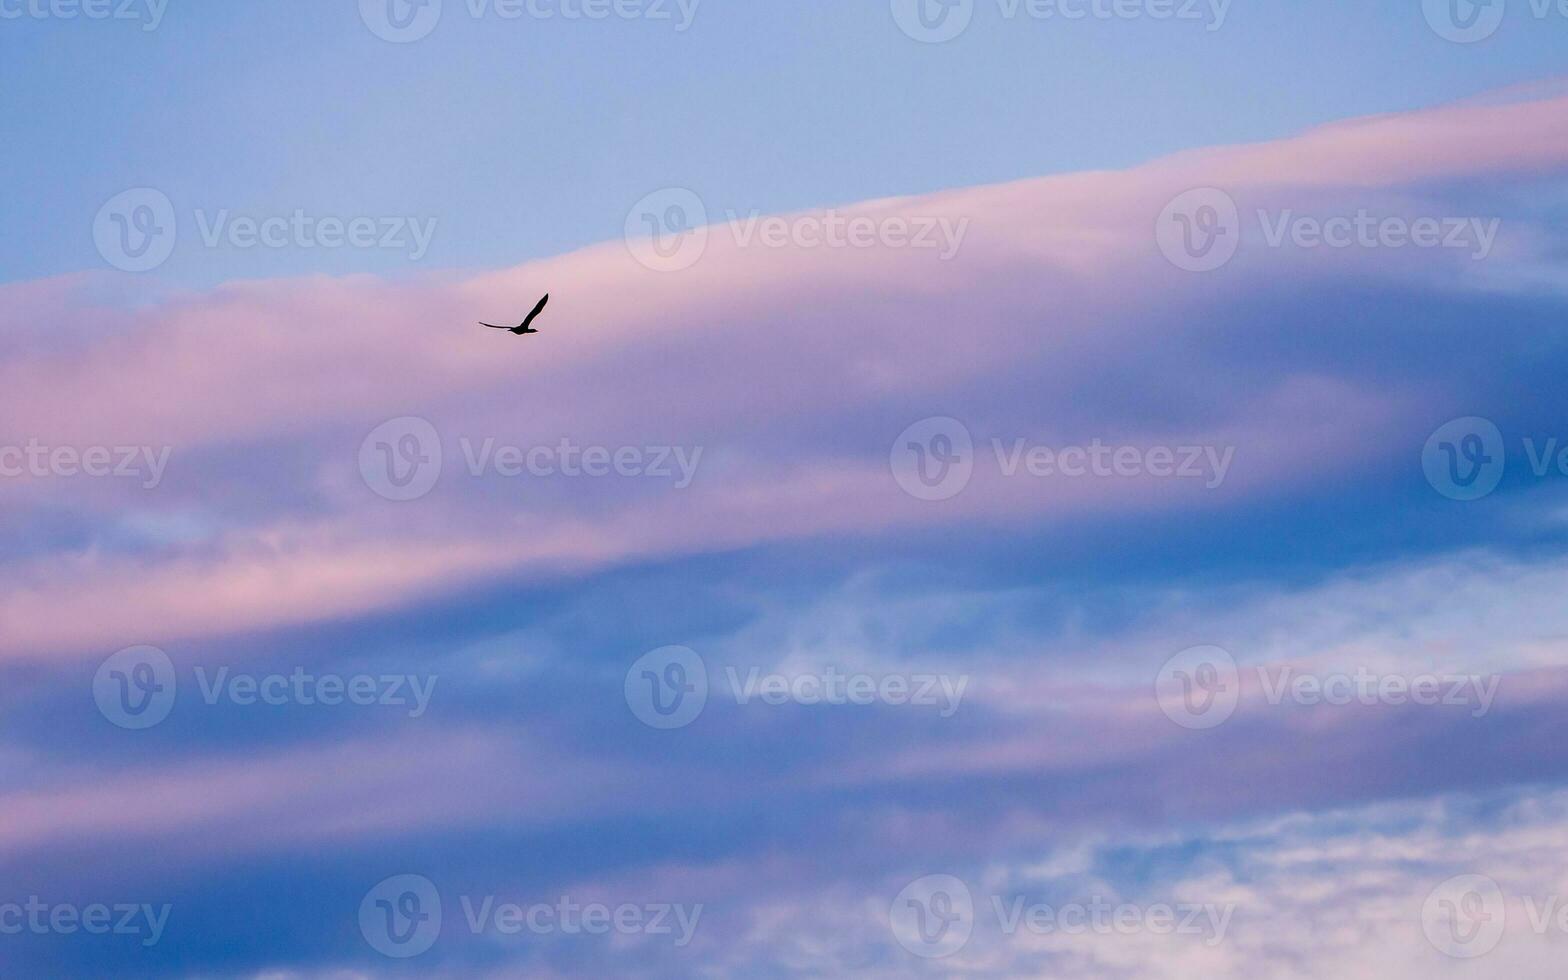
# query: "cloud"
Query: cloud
1338,893
263,391
219,804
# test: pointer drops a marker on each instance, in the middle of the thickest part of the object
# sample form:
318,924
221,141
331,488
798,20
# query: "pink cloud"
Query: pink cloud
783,364
345,791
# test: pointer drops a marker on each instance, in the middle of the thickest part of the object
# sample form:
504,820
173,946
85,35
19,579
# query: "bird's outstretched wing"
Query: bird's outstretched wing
493,326
537,310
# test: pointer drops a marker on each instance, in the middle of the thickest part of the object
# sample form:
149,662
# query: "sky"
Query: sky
994,493
525,138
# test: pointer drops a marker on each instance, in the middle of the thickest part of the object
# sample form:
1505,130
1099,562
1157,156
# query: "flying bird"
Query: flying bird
526,327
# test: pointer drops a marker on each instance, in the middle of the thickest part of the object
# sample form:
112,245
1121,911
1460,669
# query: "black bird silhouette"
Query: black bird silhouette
527,325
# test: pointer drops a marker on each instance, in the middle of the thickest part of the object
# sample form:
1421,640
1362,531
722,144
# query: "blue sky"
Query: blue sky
527,138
